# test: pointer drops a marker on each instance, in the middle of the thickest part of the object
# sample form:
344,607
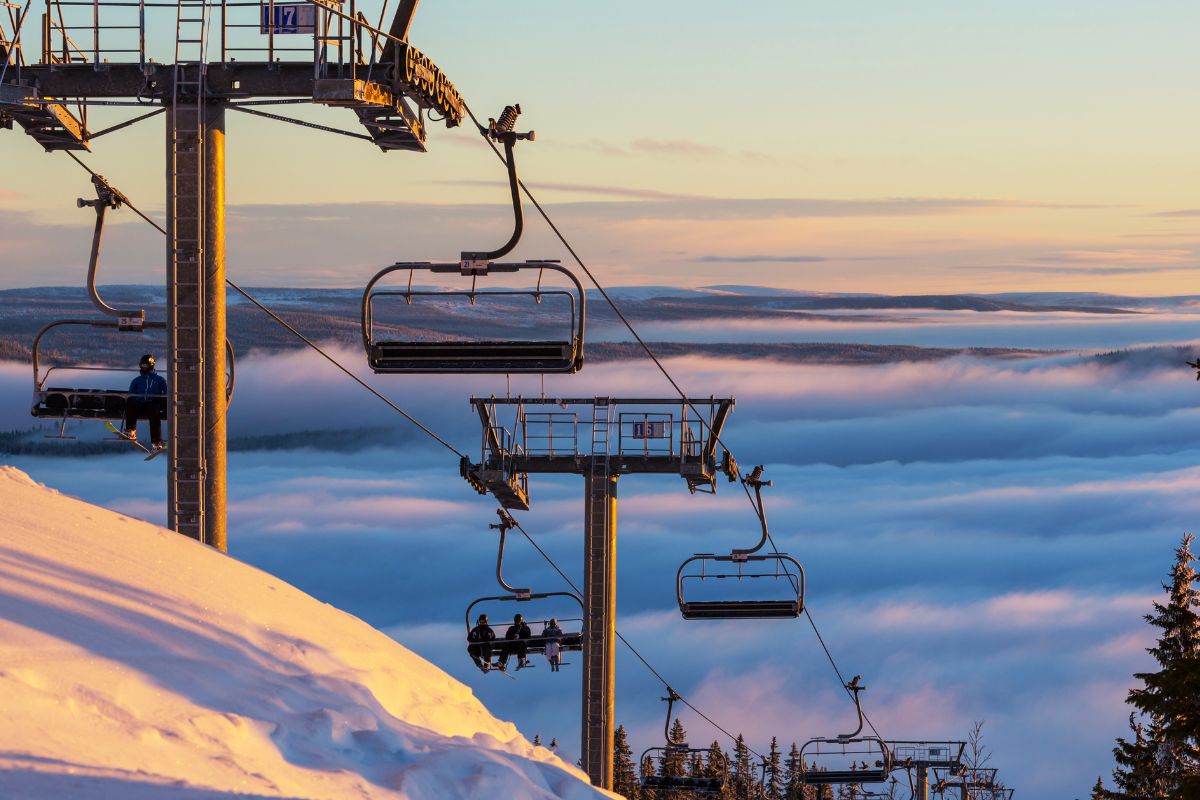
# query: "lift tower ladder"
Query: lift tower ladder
107,51
600,535
186,269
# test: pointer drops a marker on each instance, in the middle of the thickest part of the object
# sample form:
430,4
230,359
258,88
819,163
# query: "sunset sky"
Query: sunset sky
889,147
983,531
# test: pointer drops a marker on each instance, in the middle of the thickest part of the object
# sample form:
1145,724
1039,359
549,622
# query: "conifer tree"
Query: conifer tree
716,766
1137,773
793,776
1171,696
742,773
773,779
537,740
648,768
674,763
1098,791
625,779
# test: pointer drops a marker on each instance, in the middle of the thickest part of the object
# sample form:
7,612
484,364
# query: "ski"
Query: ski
154,453
121,435
494,668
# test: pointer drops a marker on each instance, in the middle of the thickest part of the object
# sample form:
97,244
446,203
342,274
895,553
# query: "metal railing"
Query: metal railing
325,32
554,433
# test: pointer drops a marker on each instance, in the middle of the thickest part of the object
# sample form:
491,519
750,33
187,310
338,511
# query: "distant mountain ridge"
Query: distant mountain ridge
333,315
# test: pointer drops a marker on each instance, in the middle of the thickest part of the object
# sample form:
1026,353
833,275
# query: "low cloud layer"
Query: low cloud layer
980,538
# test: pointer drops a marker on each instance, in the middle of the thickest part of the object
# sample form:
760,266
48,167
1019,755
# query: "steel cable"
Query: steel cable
661,368
457,452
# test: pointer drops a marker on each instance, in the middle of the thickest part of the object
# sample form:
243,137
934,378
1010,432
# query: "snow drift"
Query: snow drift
135,663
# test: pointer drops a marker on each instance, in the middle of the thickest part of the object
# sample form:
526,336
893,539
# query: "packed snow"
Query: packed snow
136,663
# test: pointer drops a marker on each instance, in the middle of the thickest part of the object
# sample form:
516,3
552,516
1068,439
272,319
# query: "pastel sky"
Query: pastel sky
918,146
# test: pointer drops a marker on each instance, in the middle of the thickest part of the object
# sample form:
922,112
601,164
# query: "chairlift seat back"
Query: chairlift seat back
742,609
473,357
787,569
387,353
58,402
864,759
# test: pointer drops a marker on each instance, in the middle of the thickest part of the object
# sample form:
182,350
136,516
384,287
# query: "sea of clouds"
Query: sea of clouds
981,539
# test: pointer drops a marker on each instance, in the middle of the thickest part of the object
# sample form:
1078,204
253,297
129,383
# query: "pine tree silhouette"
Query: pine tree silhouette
1137,774
625,779
773,786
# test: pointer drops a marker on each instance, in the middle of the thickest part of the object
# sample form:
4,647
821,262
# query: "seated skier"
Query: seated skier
480,643
147,391
553,635
516,641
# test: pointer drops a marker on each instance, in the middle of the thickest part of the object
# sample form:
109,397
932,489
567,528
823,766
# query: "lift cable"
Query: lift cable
836,669
128,204
302,123
454,450
661,368
302,337
612,303
352,376
125,124
632,649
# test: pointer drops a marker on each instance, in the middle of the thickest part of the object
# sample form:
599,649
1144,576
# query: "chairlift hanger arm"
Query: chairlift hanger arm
755,481
854,687
107,196
502,131
505,524
670,699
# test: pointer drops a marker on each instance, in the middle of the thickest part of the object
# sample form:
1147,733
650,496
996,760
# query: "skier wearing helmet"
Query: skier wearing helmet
480,641
146,391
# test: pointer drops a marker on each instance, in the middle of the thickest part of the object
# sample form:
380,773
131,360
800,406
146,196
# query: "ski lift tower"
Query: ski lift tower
613,437
923,756
73,54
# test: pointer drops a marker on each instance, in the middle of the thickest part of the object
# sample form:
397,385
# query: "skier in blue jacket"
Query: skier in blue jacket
144,402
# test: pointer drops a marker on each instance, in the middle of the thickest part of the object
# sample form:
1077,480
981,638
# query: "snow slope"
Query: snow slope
137,664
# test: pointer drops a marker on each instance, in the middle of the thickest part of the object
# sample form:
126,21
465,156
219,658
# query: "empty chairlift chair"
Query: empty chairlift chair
779,572
665,769
848,758
393,347
568,607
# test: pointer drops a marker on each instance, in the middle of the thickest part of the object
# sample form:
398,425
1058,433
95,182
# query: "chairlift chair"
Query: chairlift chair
388,353
847,758
659,758
91,403
747,564
569,642
76,402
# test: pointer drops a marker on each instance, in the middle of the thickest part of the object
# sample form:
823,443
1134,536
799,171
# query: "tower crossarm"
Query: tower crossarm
309,49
